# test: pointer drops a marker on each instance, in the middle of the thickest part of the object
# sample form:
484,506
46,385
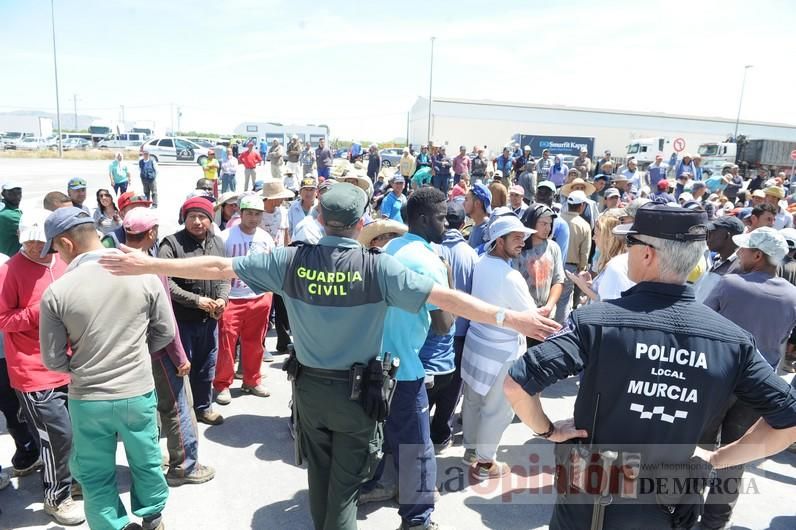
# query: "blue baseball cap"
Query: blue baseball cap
76,183
483,194
60,221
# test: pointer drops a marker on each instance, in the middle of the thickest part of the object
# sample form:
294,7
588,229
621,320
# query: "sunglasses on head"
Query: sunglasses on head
631,240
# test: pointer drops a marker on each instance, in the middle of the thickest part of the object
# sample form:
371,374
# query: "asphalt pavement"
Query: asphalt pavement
258,486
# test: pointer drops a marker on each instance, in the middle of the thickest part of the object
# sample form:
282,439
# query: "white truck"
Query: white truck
671,147
749,154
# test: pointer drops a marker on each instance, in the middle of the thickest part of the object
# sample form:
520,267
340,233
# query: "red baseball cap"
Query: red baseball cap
130,198
663,185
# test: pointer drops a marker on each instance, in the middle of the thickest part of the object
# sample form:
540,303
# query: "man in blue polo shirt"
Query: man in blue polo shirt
407,429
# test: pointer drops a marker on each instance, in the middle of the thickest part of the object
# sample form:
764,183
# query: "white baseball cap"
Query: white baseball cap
766,240
506,224
576,197
31,225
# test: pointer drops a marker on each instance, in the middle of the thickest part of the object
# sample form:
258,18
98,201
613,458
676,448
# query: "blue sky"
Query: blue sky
359,66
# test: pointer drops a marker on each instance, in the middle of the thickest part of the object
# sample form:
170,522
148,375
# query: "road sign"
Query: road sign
793,155
678,144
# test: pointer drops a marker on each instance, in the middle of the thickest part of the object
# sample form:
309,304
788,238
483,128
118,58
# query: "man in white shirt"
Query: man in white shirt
490,350
247,313
783,219
632,174
303,206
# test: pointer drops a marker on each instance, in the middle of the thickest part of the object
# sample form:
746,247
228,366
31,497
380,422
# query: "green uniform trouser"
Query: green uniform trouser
341,446
95,425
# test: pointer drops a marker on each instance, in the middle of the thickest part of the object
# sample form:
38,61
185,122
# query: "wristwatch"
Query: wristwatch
500,316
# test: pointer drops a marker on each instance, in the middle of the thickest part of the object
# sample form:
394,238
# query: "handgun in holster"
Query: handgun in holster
293,368
378,386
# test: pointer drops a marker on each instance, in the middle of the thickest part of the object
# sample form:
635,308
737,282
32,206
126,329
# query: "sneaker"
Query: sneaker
210,417
224,397
25,470
430,526
239,373
76,490
489,470
469,457
259,390
5,479
67,512
268,357
380,493
199,475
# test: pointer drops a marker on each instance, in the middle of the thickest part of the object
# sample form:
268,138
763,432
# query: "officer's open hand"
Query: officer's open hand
566,430
533,324
132,262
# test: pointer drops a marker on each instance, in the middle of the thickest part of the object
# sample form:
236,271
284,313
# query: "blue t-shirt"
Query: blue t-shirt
561,235
391,206
406,331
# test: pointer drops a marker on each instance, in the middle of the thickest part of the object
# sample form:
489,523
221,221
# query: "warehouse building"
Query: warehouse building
456,122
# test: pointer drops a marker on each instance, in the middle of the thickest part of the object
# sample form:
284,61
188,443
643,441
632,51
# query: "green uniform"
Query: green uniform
9,224
336,294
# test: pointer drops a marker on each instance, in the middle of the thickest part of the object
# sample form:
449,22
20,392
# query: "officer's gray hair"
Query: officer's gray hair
676,259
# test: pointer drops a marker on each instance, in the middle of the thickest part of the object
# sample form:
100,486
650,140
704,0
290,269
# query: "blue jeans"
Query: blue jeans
177,418
441,182
323,172
120,187
201,347
228,182
407,434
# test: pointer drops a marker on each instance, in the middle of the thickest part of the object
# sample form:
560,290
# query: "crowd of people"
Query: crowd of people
540,248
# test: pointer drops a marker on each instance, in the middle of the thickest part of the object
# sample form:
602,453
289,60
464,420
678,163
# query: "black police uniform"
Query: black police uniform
662,366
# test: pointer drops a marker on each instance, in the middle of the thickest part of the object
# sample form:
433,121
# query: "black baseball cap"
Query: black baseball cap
730,223
455,215
667,222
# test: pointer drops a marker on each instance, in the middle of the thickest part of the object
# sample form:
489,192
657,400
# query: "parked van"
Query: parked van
121,141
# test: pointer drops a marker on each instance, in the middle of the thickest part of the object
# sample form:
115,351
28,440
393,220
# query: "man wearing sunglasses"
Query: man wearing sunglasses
656,368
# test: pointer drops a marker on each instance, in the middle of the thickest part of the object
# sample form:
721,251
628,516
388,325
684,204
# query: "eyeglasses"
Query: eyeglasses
631,240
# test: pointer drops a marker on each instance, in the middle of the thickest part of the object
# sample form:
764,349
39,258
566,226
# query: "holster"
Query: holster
684,495
378,386
293,368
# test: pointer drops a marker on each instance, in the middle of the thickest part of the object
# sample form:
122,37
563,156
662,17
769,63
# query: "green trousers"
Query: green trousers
95,426
340,445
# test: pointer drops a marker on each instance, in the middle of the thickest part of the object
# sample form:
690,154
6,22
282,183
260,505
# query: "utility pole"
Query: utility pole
171,113
55,68
121,113
179,115
430,87
74,99
740,101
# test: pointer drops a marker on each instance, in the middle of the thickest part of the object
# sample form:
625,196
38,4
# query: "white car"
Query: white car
32,143
175,150
121,141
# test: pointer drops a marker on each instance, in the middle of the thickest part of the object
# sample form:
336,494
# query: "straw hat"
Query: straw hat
274,189
230,196
387,172
566,189
340,167
359,179
380,227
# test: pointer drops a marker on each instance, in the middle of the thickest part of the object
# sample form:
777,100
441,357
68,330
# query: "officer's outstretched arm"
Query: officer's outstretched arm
135,262
760,441
529,323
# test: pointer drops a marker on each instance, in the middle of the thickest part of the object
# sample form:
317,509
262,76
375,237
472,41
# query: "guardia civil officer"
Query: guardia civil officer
656,367
337,294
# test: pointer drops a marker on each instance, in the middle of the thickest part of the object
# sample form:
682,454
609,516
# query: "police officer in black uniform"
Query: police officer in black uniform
337,294
656,367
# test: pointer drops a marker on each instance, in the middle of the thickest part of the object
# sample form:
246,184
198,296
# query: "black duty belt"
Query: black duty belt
337,375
